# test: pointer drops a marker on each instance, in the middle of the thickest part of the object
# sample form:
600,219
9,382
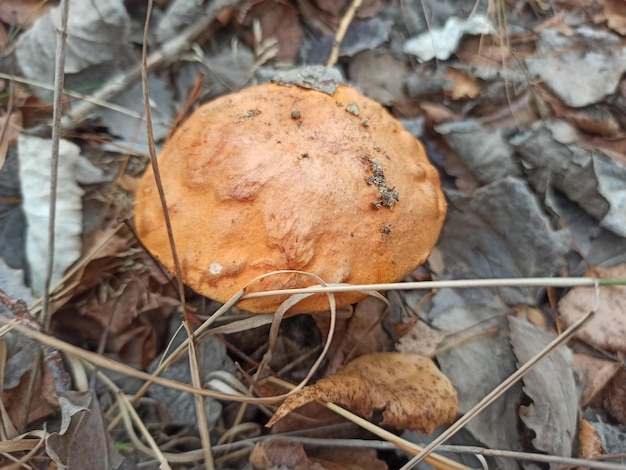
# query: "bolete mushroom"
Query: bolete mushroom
281,177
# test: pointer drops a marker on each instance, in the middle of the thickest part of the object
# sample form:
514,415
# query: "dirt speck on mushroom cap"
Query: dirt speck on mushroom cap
268,192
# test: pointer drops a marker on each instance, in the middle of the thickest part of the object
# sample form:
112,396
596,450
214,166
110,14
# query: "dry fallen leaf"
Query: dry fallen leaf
476,367
593,374
463,85
22,12
362,333
615,12
615,397
412,391
275,454
607,328
35,155
590,444
577,75
278,21
551,386
82,436
421,339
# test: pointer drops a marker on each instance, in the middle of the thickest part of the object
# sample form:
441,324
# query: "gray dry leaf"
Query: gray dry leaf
580,69
35,155
83,440
96,33
501,232
179,13
475,368
442,42
483,150
12,223
230,68
22,352
553,414
594,246
181,407
379,75
132,130
593,180
613,437
362,35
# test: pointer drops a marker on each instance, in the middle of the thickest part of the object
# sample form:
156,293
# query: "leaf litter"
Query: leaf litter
529,141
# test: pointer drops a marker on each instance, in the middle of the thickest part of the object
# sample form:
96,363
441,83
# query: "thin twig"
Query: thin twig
194,366
59,80
341,32
490,397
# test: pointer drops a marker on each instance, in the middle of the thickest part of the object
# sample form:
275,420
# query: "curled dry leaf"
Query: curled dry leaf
590,444
607,328
412,391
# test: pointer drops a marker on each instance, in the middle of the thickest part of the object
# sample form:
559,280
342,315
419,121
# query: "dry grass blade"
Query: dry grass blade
461,283
128,409
21,445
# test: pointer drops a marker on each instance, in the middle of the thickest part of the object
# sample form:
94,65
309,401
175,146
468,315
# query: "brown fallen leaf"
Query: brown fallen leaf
615,397
413,393
589,441
607,328
463,87
277,21
362,333
593,374
275,453
421,339
326,14
615,12
22,12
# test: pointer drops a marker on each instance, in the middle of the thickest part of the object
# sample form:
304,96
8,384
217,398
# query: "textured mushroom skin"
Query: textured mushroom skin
278,177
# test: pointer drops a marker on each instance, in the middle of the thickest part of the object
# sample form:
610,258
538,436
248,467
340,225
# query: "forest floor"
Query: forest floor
521,106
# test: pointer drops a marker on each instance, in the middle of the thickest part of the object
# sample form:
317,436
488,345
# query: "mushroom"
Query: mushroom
279,177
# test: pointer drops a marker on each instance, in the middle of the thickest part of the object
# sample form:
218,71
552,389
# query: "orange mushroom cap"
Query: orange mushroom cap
281,177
